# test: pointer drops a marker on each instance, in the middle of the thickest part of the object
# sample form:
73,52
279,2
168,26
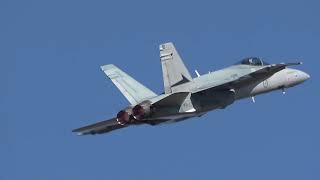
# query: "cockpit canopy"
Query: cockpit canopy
253,61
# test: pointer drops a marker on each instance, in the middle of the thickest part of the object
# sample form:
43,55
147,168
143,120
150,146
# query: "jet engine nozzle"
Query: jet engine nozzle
142,110
123,117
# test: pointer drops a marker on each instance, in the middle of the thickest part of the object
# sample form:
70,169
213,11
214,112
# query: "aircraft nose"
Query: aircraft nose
295,77
303,76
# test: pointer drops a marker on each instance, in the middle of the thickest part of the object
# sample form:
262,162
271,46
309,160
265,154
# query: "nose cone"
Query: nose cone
302,76
295,77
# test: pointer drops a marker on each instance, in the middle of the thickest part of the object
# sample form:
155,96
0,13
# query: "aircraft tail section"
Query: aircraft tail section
133,91
174,71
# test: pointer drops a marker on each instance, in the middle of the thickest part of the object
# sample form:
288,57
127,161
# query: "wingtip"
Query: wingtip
78,133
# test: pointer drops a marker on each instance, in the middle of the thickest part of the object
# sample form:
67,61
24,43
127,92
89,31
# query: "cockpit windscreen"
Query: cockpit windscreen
253,61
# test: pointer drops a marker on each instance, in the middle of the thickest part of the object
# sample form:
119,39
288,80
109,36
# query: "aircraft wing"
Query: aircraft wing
100,127
257,75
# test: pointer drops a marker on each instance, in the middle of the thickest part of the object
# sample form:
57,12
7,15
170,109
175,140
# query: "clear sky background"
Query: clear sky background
51,83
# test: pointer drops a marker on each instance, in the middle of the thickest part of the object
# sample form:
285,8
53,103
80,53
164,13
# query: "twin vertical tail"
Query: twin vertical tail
174,71
132,90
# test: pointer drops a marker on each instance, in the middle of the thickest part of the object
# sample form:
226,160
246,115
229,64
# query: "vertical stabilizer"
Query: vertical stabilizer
134,91
174,71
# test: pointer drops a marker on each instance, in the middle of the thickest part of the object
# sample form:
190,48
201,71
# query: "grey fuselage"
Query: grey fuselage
280,80
204,100
186,97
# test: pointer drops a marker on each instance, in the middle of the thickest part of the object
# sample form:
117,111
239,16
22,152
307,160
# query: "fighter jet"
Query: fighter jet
186,97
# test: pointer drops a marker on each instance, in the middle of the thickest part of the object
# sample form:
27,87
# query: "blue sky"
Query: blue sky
50,53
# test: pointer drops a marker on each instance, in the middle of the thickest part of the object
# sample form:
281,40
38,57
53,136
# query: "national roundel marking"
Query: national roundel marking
265,83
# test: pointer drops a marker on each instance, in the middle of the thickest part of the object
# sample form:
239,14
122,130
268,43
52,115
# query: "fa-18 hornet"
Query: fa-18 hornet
186,97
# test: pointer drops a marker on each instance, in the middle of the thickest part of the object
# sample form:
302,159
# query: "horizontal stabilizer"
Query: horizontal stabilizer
100,127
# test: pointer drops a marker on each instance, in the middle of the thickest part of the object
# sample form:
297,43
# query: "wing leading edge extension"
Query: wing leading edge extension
263,72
